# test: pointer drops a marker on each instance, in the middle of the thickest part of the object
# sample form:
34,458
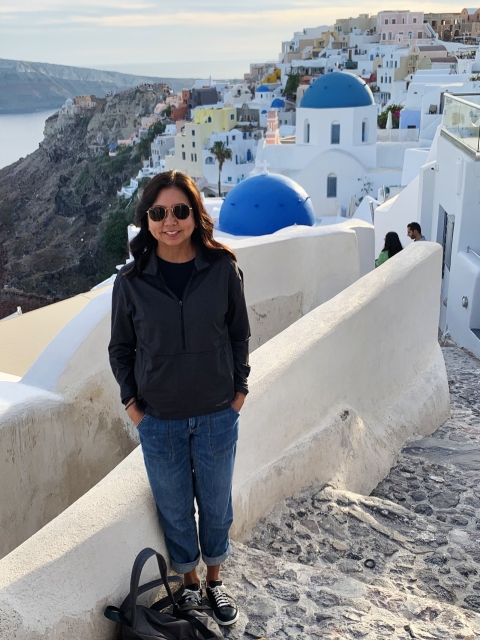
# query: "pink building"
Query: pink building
403,27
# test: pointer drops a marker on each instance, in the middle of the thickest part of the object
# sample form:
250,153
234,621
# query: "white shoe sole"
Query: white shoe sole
224,624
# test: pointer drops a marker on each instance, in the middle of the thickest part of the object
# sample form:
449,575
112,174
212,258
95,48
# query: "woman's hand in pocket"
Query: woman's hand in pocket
135,414
238,400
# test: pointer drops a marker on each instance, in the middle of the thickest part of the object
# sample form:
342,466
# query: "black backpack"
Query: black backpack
149,623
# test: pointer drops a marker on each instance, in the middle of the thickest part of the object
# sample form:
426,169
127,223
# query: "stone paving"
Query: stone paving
402,563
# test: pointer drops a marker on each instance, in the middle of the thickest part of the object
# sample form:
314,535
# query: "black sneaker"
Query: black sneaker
224,607
191,598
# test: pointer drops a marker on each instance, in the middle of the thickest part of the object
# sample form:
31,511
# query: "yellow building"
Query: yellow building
189,143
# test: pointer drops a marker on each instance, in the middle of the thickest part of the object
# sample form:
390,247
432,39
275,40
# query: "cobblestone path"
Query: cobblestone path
402,563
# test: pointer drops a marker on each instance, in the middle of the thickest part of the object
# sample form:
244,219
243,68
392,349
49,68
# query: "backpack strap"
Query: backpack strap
115,615
195,622
138,565
160,604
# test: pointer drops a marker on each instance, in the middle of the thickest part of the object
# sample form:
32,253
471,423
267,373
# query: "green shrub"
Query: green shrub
115,234
293,82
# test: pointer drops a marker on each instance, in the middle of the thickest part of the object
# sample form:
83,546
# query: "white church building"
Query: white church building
335,157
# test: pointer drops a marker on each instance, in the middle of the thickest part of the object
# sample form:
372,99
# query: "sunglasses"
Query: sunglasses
158,213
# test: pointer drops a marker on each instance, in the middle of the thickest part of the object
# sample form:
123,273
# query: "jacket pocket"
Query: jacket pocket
186,385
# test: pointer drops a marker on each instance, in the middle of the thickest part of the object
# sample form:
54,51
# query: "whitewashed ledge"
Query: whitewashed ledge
333,397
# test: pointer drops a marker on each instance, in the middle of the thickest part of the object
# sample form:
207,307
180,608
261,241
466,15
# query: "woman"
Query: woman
391,247
179,351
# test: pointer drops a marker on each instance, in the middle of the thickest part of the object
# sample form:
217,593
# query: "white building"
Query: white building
161,146
243,145
425,99
445,199
336,156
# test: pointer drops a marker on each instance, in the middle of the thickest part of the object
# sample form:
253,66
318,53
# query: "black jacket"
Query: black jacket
181,358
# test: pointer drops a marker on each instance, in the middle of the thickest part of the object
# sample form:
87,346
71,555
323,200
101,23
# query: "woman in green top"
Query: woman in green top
391,247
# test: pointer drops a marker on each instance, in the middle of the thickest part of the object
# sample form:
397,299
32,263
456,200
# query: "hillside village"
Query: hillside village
363,160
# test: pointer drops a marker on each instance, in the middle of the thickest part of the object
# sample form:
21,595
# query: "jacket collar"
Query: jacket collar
152,265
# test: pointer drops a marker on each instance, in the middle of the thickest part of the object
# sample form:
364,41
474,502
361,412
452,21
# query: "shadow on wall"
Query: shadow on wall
324,406
63,427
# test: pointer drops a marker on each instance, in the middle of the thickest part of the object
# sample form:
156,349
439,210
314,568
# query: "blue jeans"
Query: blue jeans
192,459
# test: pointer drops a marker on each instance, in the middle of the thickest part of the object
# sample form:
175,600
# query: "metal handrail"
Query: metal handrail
458,99
470,250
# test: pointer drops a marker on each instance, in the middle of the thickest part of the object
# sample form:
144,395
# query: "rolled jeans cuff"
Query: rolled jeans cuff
185,567
212,562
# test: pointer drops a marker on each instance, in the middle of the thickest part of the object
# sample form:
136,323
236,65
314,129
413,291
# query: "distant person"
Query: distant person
179,351
391,247
414,231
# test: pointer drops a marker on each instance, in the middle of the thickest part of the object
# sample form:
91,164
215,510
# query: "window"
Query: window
209,119
193,132
390,79
193,144
381,79
332,186
384,36
335,134
306,131
386,20
183,155
229,178
365,130
420,35
394,21
191,157
410,35
390,35
233,137
195,157
414,21
448,231
209,160
232,116
395,64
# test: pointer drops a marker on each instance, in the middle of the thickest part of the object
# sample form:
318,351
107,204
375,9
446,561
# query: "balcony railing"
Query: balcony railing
470,250
461,122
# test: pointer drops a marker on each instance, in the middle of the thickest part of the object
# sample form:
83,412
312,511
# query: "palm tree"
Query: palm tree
220,152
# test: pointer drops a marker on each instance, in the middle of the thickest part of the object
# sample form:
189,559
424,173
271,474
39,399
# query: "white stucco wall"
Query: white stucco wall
455,190
395,214
350,121
333,398
413,161
62,426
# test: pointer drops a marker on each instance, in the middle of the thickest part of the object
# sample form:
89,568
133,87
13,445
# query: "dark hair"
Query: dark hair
392,244
414,226
144,243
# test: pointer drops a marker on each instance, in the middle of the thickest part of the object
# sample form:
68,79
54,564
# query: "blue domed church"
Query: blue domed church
263,204
334,157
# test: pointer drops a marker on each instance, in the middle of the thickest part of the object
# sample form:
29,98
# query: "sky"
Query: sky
164,37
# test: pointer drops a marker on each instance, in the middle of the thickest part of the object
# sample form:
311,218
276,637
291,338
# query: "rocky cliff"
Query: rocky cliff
34,86
62,228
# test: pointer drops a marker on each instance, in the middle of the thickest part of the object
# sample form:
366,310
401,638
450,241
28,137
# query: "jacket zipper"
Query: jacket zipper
182,324
180,302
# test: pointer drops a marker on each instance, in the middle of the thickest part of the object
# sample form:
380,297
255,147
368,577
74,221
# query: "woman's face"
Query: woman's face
171,232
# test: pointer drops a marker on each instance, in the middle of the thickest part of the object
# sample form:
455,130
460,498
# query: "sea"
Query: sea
20,134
